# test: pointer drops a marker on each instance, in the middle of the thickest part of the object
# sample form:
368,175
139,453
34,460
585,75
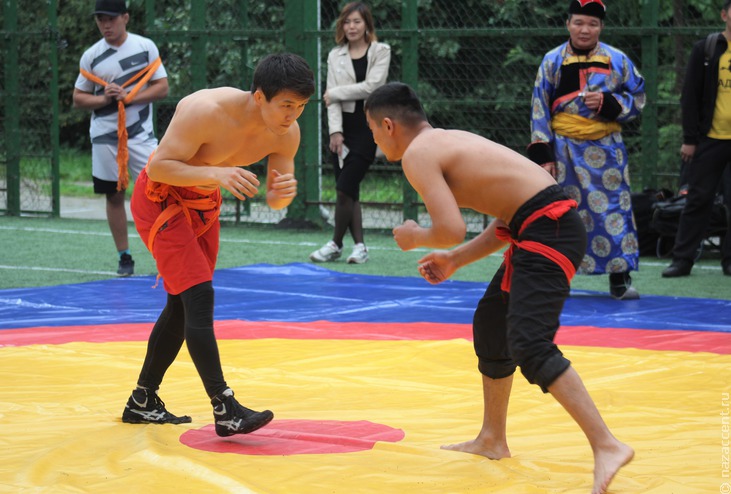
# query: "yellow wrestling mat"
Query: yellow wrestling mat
60,427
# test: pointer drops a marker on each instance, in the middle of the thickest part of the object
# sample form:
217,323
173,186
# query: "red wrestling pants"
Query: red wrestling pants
180,227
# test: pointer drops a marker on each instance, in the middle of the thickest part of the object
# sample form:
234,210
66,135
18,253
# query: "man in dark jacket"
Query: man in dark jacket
706,149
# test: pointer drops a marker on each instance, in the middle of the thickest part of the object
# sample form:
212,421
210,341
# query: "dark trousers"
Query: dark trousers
704,174
517,328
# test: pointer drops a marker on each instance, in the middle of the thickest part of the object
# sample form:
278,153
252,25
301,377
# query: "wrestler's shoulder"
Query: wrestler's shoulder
216,96
219,96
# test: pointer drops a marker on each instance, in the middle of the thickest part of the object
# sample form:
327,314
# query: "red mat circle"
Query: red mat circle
295,437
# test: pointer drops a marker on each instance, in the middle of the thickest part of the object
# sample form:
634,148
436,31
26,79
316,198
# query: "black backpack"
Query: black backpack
666,216
643,208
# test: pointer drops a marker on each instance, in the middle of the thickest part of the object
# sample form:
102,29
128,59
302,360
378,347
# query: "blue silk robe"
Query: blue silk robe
594,173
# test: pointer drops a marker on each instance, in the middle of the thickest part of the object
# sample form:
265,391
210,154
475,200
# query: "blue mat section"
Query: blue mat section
306,292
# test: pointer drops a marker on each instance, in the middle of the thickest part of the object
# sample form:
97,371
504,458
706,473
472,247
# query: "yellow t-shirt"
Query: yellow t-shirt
721,125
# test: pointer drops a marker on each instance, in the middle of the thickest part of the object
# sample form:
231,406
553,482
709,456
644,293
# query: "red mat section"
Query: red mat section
296,437
650,339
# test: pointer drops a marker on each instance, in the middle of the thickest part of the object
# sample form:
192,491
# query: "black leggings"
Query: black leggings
348,178
186,317
348,212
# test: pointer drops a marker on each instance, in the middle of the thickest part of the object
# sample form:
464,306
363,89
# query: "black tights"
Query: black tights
186,317
347,215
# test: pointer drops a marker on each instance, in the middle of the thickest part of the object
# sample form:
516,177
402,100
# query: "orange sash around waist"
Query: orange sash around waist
159,192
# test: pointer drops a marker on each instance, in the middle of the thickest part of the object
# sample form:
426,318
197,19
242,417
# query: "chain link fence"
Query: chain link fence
28,54
473,63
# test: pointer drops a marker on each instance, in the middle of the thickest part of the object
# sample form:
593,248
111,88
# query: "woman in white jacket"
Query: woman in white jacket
355,68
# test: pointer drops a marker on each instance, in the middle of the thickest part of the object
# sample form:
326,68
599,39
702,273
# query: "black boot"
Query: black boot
233,418
145,407
620,287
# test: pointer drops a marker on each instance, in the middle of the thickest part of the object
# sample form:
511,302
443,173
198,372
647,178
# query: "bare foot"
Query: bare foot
476,447
607,463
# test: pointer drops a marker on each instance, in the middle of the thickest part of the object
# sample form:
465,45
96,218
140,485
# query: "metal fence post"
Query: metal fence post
12,108
149,26
149,15
301,25
410,75
199,57
649,122
245,83
53,46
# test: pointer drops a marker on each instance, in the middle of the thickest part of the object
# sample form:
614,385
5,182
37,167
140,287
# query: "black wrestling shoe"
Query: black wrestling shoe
145,407
126,265
620,287
233,418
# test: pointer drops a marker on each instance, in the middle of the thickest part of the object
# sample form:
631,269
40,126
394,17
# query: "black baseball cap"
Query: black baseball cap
110,7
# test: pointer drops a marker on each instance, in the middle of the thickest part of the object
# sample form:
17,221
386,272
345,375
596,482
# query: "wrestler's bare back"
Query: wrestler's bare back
481,174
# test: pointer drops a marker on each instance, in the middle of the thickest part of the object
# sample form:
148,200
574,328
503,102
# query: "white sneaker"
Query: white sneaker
326,253
359,254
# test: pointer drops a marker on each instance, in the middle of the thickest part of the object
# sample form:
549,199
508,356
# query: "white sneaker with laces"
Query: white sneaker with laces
359,254
328,252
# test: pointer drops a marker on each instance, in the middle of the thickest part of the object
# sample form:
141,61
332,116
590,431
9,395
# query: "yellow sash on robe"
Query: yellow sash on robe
578,127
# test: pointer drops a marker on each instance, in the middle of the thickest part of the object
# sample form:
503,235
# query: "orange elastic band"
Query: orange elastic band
122,152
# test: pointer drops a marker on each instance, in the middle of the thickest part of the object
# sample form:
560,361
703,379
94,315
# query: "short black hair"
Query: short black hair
726,5
283,72
397,101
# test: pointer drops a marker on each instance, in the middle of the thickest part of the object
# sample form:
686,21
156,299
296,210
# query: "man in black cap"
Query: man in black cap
120,76
584,91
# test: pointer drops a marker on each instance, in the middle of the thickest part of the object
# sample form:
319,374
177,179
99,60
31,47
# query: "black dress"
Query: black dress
358,139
